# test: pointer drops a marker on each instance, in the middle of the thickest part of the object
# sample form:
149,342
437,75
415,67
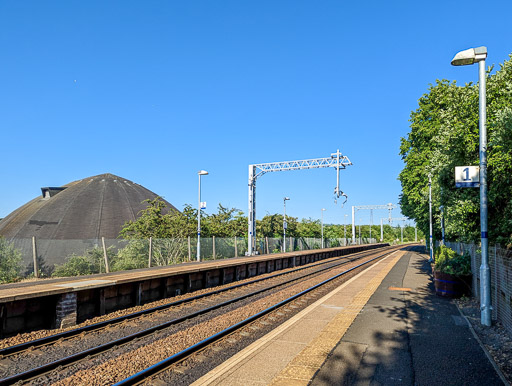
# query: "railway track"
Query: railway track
181,316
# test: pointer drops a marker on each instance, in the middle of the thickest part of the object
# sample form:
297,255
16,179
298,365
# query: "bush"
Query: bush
92,262
450,262
75,266
10,262
133,256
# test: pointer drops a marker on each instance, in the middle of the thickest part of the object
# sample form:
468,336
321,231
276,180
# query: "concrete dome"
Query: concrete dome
87,209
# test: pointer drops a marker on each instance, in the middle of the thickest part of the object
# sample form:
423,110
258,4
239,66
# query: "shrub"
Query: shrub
449,261
75,266
92,262
133,256
10,262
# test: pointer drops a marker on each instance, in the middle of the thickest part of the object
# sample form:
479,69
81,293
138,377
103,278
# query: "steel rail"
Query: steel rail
38,371
16,349
162,365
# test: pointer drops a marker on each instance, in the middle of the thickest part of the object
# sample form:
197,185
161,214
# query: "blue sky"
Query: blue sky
154,91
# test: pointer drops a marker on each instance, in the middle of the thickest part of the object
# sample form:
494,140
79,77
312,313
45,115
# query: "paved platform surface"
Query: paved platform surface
385,326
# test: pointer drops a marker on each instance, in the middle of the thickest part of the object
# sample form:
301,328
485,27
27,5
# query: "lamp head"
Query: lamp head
467,57
286,198
202,172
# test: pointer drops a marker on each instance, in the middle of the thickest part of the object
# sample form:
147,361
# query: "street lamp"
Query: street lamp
463,58
323,228
431,252
200,205
284,223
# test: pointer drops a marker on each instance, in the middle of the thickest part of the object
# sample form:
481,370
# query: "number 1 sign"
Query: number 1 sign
467,176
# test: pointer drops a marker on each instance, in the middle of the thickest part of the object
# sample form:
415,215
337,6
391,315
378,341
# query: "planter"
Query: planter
452,286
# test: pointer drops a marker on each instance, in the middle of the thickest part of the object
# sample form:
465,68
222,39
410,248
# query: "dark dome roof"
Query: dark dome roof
90,208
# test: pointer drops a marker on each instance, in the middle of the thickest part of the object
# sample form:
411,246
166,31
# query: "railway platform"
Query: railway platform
384,326
63,302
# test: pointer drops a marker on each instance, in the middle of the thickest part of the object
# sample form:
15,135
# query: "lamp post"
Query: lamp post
199,207
463,58
323,209
431,253
284,223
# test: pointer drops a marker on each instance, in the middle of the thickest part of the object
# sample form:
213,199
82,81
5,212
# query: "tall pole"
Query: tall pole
430,216
199,221
323,228
251,234
471,56
381,231
353,224
485,274
345,230
371,223
284,223
200,173
442,225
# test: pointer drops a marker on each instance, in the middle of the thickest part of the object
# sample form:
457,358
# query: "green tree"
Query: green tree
271,225
93,261
444,134
168,229
308,227
10,262
227,222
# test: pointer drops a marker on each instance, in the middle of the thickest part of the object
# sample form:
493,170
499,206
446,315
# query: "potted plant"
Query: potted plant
452,273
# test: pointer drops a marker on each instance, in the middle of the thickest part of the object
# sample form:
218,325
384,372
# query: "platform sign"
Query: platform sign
203,205
467,176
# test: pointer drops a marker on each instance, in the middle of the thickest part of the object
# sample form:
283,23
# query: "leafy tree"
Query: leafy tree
309,228
10,262
444,134
227,222
168,229
271,225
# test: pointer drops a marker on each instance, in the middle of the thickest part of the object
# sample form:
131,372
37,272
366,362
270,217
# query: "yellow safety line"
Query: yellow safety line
304,366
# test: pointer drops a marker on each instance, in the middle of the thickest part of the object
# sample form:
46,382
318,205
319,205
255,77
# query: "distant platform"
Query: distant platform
57,303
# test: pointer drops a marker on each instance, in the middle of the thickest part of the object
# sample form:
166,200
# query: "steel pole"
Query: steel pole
251,218
431,248
322,229
353,225
284,226
199,222
345,230
381,231
371,223
485,275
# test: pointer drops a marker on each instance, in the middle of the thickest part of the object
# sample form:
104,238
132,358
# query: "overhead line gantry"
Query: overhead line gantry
389,206
336,160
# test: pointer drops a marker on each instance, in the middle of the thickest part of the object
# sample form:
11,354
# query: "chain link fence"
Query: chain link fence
118,254
500,264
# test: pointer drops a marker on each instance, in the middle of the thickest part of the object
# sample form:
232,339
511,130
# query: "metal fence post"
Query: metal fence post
213,242
34,255
107,268
236,248
495,308
150,251
189,250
